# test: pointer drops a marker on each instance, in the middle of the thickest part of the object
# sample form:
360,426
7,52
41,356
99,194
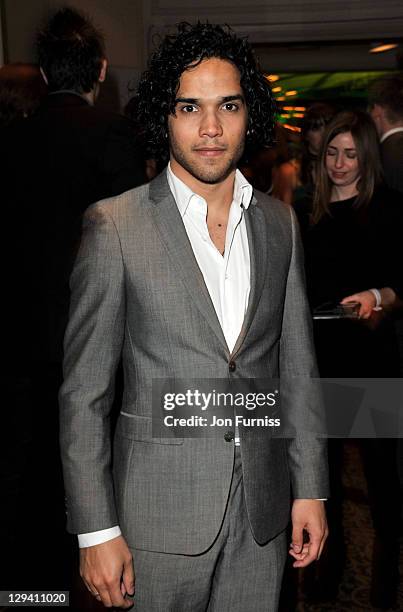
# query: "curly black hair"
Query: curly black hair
70,51
190,45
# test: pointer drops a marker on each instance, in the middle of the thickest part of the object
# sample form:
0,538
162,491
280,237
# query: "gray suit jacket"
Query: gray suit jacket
137,292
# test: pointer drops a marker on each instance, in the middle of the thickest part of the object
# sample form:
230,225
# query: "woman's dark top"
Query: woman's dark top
351,250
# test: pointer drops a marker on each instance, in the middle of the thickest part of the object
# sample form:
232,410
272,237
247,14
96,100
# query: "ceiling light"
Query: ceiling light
293,128
381,47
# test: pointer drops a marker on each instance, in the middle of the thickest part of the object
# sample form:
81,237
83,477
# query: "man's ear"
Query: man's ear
104,67
377,111
43,75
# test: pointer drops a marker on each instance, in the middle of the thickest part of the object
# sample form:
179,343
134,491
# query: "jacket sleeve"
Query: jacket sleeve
92,350
300,389
392,161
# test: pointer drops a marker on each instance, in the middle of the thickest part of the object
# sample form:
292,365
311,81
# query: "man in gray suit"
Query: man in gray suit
191,276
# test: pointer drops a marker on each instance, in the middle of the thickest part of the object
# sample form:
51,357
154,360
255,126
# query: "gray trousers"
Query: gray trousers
235,574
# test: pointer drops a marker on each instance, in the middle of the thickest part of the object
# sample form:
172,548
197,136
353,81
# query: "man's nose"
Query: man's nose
210,125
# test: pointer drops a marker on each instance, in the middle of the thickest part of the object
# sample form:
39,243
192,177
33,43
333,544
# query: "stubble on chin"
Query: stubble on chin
210,171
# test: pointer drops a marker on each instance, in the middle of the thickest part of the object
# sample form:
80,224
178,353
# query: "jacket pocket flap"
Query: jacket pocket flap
137,427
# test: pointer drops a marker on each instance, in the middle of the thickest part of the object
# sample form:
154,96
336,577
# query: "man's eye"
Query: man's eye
189,108
230,106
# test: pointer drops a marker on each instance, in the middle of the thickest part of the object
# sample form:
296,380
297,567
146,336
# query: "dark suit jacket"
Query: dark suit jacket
88,153
54,165
392,160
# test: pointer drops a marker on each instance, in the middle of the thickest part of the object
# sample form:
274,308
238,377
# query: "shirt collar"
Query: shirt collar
71,92
390,132
182,194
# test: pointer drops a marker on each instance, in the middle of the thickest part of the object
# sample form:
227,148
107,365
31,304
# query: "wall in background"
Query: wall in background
273,21
1,37
120,20
132,28
285,32
323,56
130,25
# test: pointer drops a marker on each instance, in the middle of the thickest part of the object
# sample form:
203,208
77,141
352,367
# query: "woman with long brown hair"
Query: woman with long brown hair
293,173
352,232
353,227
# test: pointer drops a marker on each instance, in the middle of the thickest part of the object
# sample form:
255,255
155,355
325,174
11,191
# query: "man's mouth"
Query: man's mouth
210,151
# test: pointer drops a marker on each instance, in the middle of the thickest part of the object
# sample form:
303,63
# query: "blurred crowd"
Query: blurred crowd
342,174
344,178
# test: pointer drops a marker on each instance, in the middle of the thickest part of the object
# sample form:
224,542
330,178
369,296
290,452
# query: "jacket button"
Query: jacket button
229,436
232,366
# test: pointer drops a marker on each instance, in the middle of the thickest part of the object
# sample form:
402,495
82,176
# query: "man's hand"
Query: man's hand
308,515
107,570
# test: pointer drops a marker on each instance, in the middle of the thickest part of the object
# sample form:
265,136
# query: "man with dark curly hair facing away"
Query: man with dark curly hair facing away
191,276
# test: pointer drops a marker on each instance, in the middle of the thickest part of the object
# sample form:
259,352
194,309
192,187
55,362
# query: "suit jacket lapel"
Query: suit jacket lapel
257,239
173,234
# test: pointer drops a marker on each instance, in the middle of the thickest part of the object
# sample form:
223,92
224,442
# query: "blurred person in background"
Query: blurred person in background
386,107
285,170
351,234
89,151
55,163
22,89
258,164
294,177
313,126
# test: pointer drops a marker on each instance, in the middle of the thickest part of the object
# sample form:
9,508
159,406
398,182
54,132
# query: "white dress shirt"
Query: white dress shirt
390,132
227,276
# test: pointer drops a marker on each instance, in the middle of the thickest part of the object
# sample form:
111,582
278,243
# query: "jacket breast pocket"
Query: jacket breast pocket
140,428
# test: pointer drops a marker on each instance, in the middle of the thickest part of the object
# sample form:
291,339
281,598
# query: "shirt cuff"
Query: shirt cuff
98,537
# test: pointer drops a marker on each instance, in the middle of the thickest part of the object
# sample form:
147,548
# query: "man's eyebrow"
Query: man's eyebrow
234,97
222,100
187,100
